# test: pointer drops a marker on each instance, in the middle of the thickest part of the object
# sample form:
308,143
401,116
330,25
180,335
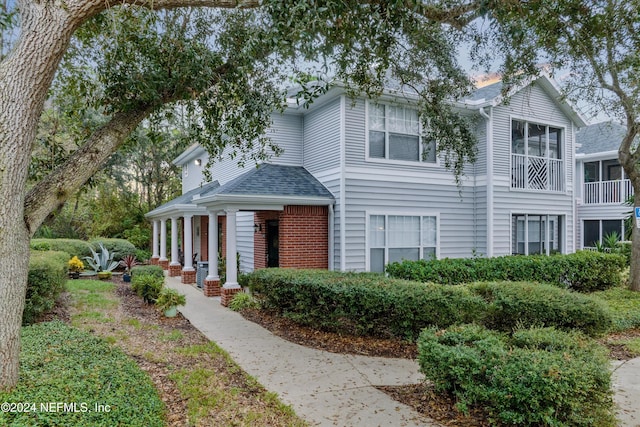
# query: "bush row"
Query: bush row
153,270
531,378
61,364
583,271
81,248
370,304
45,281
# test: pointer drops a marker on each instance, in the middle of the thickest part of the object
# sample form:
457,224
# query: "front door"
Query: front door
273,253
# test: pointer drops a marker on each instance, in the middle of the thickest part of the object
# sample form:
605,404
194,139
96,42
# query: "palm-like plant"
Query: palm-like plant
128,262
102,261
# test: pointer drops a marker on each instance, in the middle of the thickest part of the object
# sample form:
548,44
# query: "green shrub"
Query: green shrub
119,247
154,270
61,364
45,281
624,305
147,286
535,377
362,303
143,255
40,245
583,271
243,300
516,304
73,247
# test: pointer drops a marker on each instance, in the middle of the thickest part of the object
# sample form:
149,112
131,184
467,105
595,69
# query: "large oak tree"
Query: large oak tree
361,42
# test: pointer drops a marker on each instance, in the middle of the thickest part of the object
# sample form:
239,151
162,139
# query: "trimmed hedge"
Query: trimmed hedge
145,270
45,281
81,248
583,271
371,304
514,304
59,363
362,303
535,377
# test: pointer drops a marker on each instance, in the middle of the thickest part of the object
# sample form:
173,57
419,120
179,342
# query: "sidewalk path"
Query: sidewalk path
329,389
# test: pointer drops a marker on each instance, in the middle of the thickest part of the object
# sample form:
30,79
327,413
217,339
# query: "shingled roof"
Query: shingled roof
600,137
274,180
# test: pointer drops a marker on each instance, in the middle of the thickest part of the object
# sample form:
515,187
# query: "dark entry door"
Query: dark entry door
273,253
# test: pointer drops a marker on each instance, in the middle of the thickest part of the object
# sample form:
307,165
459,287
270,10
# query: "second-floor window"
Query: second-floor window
394,134
536,156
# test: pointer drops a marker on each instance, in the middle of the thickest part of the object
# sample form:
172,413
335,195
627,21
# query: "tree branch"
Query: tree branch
60,184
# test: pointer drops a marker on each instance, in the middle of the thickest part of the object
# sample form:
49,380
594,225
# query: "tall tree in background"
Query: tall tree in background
594,46
226,77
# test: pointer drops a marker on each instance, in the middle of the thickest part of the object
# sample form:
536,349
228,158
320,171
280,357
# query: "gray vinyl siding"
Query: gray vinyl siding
534,105
456,214
287,132
194,176
322,138
244,242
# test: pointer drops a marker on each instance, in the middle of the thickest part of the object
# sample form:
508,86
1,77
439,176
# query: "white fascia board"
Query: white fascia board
603,155
189,154
251,201
175,210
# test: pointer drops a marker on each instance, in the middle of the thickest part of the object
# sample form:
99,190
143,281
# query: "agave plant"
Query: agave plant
102,261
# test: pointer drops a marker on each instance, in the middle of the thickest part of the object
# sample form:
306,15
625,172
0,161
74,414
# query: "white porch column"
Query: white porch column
154,242
232,266
163,239
213,246
188,244
175,257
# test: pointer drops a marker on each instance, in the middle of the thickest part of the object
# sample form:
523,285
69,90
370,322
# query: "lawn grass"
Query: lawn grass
87,381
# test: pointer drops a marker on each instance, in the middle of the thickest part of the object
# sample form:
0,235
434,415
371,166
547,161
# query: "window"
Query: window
536,156
397,237
536,234
394,134
595,231
185,170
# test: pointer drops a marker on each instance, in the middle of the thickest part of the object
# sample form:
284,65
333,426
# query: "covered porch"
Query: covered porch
271,216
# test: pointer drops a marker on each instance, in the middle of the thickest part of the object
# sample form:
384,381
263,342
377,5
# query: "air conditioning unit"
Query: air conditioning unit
201,273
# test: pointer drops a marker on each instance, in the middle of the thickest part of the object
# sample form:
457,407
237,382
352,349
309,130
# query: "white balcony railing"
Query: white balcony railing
537,173
607,192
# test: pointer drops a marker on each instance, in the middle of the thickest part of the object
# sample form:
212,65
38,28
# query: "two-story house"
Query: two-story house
356,188
602,185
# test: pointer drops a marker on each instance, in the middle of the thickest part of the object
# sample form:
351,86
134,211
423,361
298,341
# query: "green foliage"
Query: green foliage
169,298
362,303
143,255
45,281
512,305
101,261
36,245
147,286
146,270
118,247
535,377
583,271
242,301
73,247
138,236
624,306
62,364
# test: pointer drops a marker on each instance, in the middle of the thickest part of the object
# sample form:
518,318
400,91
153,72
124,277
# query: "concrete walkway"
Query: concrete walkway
328,389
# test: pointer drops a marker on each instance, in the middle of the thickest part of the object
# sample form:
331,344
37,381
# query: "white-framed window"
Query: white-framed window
185,170
536,234
398,237
536,156
394,133
594,231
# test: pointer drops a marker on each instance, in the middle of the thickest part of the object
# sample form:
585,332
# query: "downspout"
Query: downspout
574,221
489,180
343,195
331,238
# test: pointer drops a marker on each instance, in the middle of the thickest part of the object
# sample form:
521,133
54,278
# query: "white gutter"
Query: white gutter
343,196
489,180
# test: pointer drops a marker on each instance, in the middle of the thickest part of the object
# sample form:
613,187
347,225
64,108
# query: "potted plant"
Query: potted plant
75,267
169,300
128,262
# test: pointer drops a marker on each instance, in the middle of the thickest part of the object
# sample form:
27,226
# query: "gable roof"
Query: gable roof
274,180
600,137
182,202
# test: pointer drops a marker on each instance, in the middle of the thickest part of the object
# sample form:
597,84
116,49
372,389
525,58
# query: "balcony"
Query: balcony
607,192
537,173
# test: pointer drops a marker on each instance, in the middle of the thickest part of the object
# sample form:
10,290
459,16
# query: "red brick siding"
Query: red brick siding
260,238
204,238
304,237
